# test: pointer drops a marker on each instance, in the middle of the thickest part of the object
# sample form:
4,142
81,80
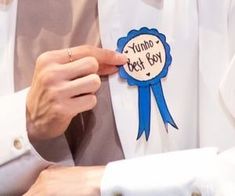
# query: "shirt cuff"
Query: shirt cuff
19,160
13,134
175,173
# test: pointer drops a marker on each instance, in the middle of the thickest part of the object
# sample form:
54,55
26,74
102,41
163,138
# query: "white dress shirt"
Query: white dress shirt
200,93
18,144
7,42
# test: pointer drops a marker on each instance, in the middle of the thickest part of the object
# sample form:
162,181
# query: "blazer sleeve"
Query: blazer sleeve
227,86
20,161
193,172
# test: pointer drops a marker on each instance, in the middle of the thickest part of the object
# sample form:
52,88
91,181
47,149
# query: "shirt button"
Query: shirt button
196,194
118,194
18,144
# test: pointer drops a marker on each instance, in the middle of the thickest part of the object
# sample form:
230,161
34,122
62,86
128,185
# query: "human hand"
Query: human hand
61,89
68,181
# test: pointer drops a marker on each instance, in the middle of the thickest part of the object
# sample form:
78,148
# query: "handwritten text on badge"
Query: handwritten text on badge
146,57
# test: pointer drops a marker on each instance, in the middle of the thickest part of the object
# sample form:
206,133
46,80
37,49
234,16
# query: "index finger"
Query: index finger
103,56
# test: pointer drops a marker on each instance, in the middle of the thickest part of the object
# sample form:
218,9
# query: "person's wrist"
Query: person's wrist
31,129
100,174
97,175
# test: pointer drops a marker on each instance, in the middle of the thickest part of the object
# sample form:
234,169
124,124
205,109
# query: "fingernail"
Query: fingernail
121,57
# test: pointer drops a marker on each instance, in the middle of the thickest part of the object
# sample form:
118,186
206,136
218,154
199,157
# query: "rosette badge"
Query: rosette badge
148,62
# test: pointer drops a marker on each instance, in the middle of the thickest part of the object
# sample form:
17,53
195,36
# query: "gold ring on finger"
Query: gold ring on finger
69,52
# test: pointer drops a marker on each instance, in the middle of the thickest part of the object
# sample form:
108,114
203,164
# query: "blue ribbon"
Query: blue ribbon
144,111
144,87
145,108
161,102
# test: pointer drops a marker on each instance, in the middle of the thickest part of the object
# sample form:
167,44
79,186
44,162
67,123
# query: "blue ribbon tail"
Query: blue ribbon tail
161,102
144,111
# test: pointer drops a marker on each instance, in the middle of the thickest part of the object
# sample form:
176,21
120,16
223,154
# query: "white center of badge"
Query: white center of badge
146,55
